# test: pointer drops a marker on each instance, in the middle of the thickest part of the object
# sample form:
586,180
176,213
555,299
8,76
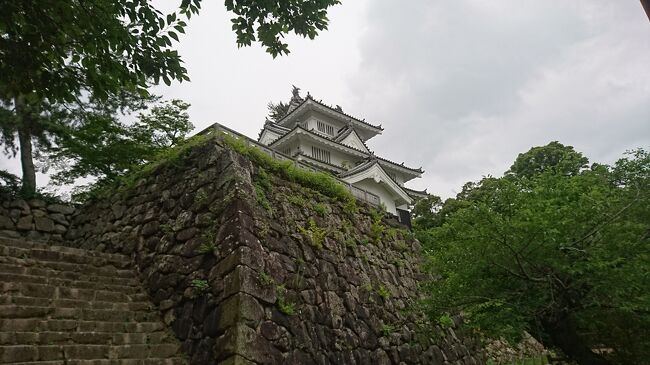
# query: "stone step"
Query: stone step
19,243
54,292
91,338
46,254
71,303
106,315
66,283
130,280
67,267
61,305
69,325
17,354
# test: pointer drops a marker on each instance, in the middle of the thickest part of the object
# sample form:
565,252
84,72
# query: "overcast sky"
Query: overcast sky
461,87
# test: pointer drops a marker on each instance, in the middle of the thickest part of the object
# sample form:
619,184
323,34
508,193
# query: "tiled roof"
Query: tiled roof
370,162
359,168
416,192
308,97
274,128
418,170
312,161
344,132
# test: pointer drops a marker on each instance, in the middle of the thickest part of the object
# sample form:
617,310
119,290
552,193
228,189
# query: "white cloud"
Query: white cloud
465,86
461,86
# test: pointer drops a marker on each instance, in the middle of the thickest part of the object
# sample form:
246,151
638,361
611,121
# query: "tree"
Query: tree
277,111
100,146
268,21
554,157
59,52
563,256
166,126
426,211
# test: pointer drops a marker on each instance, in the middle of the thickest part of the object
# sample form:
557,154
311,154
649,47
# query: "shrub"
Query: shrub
315,234
283,305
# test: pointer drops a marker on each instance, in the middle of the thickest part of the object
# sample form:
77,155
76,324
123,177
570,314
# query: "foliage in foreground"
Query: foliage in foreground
55,54
102,147
556,249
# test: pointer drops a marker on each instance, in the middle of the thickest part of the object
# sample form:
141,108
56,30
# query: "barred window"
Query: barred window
320,154
287,151
324,127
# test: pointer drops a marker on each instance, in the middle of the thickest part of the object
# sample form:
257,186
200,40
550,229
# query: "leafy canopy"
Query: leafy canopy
553,248
101,146
58,54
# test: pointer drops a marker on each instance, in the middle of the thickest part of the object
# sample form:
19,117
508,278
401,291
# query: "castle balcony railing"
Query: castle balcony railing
358,193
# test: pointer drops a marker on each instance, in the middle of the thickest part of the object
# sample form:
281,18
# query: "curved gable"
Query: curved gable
353,140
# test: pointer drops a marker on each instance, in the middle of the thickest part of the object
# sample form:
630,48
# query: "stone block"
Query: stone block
25,223
245,280
44,224
186,234
245,341
236,360
6,222
60,208
239,308
9,233
20,204
39,213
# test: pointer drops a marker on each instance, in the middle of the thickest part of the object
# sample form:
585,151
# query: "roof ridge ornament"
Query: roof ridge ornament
296,99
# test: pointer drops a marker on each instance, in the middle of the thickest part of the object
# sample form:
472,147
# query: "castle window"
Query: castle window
324,127
287,151
320,154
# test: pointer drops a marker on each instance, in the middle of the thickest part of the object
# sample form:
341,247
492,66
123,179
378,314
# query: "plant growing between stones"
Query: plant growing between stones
383,292
262,200
445,321
207,247
400,245
350,208
200,197
387,329
200,285
264,230
376,227
262,188
265,279
167,228
297,200
315,235
321,209
283,305
318,181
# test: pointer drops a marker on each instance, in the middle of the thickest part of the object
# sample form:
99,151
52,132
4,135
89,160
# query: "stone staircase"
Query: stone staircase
61,305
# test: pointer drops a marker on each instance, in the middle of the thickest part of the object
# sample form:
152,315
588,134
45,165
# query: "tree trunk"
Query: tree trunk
25,140
564,335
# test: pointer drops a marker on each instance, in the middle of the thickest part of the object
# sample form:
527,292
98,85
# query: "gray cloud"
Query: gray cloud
461,86
465,86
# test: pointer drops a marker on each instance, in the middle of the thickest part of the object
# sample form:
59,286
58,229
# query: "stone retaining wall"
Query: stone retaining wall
35,220
248,268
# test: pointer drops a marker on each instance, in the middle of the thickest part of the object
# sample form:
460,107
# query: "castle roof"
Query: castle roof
346,148
372,169
334,111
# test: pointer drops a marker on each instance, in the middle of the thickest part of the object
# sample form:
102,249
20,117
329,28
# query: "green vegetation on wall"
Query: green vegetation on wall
554,248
